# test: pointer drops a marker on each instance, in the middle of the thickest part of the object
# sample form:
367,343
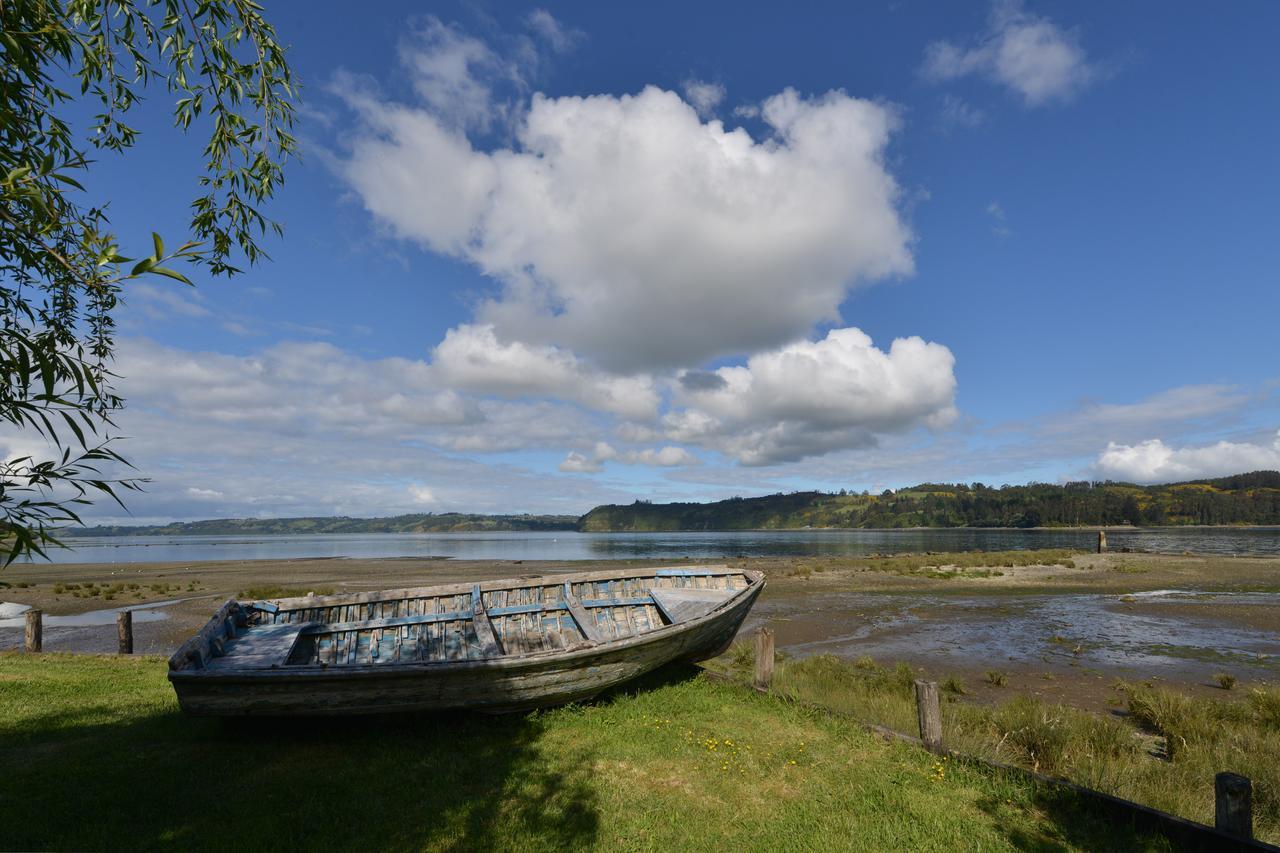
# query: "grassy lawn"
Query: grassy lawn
97,756
1192,738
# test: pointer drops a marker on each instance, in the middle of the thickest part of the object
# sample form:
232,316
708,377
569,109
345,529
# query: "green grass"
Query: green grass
97,756
964,564
265,591
1201,736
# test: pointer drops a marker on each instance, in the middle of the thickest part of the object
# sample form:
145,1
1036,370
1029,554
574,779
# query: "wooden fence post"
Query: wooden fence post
34,637
1233,804
124,628
929,715
1102,541
764,658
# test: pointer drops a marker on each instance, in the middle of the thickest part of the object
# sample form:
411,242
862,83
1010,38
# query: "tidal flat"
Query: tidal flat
1059,625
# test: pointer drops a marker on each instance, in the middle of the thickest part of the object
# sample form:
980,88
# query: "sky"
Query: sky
541,258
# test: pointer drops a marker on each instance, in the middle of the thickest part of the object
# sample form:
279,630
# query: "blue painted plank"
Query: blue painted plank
617,602
394,622
524,608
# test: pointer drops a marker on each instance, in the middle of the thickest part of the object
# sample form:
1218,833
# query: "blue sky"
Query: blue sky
538,258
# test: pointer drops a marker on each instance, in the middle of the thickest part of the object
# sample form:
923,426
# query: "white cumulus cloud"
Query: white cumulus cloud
576,462
810,398
1154,461
472,358
631,232
1030,54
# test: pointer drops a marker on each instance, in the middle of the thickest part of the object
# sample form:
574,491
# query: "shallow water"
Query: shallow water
1051,631
149,612
568,545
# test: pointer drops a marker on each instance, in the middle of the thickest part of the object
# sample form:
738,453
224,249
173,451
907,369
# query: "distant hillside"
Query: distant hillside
449,522
1241,499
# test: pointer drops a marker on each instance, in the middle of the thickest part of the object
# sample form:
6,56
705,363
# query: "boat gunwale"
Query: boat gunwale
311,672
306,602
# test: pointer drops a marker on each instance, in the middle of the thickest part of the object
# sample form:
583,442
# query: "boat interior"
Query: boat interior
463,623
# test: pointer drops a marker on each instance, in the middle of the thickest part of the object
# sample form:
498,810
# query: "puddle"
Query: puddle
8,609
1057,631
148,612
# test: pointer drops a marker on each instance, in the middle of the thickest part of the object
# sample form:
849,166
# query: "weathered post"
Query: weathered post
764,658
1233,804
929,715
124,628
33,639
1102,541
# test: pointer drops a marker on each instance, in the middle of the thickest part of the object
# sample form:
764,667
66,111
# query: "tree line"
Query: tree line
1242,499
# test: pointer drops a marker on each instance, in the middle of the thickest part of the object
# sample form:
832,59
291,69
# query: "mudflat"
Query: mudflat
1064,627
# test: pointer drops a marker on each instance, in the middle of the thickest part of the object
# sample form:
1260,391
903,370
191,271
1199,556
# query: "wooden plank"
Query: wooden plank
586,622
264,646
685,605
489,646
348,599
638,601
523,608
196,651
393,622
451,636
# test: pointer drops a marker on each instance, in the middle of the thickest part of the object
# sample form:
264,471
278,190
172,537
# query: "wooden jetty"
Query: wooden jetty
497,646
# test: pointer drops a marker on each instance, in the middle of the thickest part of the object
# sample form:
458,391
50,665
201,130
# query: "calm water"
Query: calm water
1261,541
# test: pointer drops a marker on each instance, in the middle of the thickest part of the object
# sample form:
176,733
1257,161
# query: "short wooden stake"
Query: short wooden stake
124,628
34,637
1233,804
1102,541
929,715
764,658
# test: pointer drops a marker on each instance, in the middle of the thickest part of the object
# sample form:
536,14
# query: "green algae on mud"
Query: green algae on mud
676,762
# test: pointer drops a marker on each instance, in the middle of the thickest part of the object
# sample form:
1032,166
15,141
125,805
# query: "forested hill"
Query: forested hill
1241,499
449,522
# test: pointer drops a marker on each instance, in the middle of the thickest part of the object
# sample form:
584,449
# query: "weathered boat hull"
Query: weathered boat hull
501,684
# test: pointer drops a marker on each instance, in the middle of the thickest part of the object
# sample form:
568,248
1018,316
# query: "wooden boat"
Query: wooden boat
496,646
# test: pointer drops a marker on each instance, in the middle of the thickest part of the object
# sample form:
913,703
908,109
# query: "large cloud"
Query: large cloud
810,398
1031,55
1154,461
629,231
635,239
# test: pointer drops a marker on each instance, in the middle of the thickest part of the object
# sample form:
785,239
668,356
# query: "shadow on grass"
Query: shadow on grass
664,676
444,781
1080,820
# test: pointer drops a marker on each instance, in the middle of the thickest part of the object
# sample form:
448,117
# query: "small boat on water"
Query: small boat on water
505,645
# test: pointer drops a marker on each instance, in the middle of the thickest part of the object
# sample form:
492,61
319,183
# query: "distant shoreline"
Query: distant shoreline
146,530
